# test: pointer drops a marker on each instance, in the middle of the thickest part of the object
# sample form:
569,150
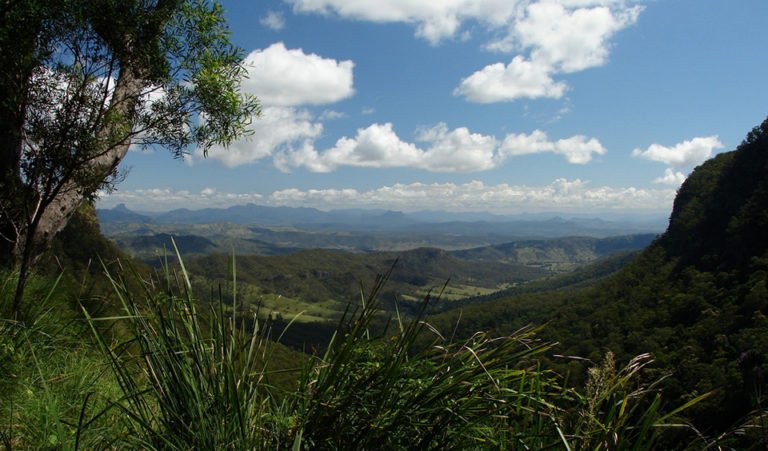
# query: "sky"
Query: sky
594,107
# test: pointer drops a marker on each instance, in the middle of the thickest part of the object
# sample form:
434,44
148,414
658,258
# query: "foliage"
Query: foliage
188,376
375,391
84,81
201,385
51,377
582,277
696,298
196,380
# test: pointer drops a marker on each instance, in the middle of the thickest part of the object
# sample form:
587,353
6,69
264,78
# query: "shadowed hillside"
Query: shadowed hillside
697,298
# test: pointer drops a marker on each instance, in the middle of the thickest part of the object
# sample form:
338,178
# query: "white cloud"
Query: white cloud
331,115
576,149
284,80
560,195
165,199
375,146
550,37
520,78
671,177
289,77
434,20
278,128
273,20
457,150
559,36
567,39
685,154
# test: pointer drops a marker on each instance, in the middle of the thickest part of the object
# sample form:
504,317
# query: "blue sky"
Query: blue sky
511,106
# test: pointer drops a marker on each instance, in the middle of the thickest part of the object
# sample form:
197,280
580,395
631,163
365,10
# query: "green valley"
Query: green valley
391,225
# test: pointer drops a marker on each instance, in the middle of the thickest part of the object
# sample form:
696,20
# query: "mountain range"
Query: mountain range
360,220
696,299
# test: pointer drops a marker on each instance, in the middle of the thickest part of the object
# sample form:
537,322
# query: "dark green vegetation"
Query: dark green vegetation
696,298
318,285
660,349
82,82
102,352
319,275
191,375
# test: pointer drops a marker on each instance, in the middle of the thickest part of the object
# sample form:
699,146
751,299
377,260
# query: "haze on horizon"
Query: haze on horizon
591,107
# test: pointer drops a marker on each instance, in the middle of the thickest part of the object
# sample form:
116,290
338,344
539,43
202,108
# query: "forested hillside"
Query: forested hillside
696,298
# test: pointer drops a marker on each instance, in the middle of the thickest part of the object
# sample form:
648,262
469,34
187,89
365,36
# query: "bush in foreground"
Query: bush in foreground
201,380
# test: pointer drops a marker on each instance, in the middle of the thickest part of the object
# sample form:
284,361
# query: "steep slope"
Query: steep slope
318,275
80,253
697,298
81,245
148,247
558,254
720,218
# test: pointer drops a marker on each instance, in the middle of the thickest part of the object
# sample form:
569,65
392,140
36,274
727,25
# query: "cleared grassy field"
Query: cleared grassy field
452,292
276,305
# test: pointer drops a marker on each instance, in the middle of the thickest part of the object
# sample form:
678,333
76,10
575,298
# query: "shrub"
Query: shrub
201,380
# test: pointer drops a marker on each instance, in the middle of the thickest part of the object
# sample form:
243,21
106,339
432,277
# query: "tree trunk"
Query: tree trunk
134,42
56,212
19,55
55,215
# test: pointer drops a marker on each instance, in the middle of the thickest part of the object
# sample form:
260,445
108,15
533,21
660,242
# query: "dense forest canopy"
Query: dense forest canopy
673,338
697,298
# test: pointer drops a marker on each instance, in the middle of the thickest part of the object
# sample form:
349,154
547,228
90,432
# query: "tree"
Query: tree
82,82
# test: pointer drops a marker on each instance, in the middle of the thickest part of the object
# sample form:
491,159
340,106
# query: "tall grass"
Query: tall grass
370,391
190,380
50,375
172,372
196,378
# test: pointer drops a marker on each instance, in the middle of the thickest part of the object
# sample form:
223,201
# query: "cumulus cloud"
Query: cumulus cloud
520,78
559,36
273,20
375,146
559,195
671,177
290,77
286,80
550,37
567,36
434,20
165,199
576,149
684,155
278,128
457,150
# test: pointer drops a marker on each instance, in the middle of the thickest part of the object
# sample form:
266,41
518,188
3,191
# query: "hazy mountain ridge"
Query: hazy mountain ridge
360,220
696,298
557,253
